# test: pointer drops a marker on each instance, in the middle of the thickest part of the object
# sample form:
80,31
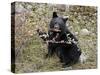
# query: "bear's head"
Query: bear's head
58,24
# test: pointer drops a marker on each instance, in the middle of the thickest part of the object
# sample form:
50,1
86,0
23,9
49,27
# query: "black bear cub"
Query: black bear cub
62,42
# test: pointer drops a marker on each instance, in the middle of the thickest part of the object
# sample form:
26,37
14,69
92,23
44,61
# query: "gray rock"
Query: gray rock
70,27
84,32
76,33
20,9
61,7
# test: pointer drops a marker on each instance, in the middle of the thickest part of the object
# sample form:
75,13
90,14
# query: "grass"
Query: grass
30,49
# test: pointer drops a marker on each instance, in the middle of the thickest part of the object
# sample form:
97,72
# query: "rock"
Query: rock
66,17
83,58
84,32
76,33
61,7
20,9
93,34
70,27
30,33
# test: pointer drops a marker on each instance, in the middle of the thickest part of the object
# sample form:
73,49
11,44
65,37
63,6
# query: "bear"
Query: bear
67,51
61,41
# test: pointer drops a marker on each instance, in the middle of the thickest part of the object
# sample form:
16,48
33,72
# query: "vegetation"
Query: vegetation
30,49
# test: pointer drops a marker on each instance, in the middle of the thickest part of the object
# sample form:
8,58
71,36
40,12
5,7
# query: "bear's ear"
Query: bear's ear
55,14
65,18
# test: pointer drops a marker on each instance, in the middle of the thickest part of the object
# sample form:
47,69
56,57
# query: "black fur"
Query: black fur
68,53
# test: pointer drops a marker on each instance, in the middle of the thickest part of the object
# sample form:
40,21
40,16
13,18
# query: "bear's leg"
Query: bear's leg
74,53
64,59
59,53
51,50
67,62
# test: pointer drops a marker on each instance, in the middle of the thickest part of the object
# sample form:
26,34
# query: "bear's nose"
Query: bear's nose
56,26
